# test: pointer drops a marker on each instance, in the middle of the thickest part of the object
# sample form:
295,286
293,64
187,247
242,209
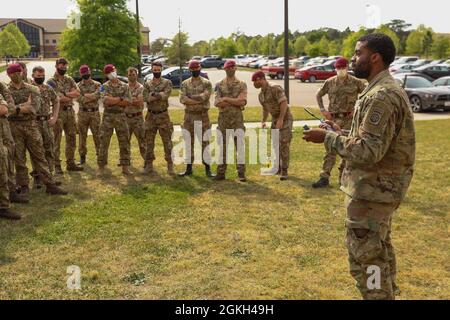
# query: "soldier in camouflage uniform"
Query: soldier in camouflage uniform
46,119
8,143
5,205
88,114
67,90
231,99
26,133
274,101
380,155
116,97
134,112
195,94
343,91
156,93
25,73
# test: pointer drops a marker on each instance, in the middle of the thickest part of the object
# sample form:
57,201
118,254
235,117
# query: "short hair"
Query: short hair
132,69
62,61
38,69
157,64
23,65
382,44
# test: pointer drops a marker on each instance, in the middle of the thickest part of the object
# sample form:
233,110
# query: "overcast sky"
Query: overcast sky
206,19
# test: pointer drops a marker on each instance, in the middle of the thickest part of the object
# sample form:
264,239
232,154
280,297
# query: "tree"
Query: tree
349,44
420,41
324,46
242,44
175,51
200,48
398,26
253,46
313,49
335,48
228,48
441,45
280,48
267,45
390,33
23,47
300,45
107,34
158,45
8,45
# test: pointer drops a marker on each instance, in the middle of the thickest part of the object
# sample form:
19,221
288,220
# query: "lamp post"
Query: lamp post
286,49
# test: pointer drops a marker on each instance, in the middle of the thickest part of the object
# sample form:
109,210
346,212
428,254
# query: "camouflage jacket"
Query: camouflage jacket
4,91
89,87
22,95
136,92
163,88
271,99
380,150
115,90
62,86
235,89
48,99
199,90
342,95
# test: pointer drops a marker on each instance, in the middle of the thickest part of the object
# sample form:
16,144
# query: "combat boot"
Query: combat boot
9,214
241,177
148,169
208,172
73,167
25,190
101,170
82,160
55,190
284,175
219,177
37,184
58,169
170,170
188,171
15,197
322,183
126,171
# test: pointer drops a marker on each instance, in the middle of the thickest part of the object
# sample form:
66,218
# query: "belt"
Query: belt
89,109
157,112
42,118
66,108
196,112
133,115
109,111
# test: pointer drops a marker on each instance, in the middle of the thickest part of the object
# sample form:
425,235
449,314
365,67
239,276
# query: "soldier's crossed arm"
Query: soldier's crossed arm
375,134
3,105
8,97
165,94
218,97
241,100
206,95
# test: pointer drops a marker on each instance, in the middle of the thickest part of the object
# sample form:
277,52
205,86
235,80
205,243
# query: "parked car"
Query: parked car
98,76
442,82
405,60
421,62
414,74
213,62
434,71
423,95
316,61
277,71
173,74
401,68
314,73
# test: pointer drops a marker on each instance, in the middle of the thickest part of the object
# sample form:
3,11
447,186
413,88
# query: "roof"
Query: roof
49,25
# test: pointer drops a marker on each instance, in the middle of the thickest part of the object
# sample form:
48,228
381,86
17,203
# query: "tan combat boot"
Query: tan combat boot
284,175
148,169
170,170
52,189
126,171
9,214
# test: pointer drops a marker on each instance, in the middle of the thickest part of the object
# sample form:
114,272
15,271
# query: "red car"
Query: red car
314,73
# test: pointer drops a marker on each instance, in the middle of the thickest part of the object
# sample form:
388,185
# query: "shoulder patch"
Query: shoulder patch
375,116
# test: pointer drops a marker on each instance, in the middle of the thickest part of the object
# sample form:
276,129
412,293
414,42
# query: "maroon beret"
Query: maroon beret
84,69
258,75
229,64
194,64
341,63
13,68
108,68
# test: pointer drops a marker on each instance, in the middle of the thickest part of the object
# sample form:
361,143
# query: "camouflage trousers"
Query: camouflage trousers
136,128
4,188
158,123
49,146
114,122
371,254
190,120
27,137
86,121
9,144
329,161
66,123
285,143
233,119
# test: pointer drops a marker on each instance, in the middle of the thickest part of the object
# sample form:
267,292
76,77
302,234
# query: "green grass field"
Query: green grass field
173,238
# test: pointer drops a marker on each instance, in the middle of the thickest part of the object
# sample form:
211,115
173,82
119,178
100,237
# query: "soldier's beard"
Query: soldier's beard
362,71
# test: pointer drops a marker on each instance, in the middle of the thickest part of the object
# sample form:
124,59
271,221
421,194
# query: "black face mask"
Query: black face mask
157,75
61,72
39,81
86,76
196,73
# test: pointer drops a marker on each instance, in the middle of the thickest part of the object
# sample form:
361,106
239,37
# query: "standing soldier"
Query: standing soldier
5,204
26,133
67,90
156,93
8,143
25,73
88,114
116,97
343,91
231,99
195,95
274,101
46,118
380,156
134,112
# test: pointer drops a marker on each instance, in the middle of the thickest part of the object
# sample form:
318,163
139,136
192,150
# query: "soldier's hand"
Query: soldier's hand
333,125
52,121
264,125
315,135
327,115
279,124
3,110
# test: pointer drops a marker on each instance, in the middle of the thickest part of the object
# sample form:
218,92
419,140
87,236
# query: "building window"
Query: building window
54,41
47,41
32,35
